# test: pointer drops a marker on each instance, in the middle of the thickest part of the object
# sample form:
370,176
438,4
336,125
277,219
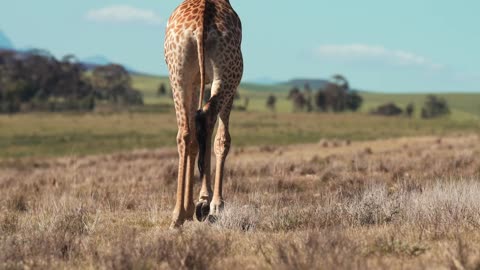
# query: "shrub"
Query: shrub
434,107
389,109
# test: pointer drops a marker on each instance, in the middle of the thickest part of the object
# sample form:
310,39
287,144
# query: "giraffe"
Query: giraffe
202,46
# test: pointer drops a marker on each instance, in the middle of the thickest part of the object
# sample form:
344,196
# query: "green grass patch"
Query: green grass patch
30,135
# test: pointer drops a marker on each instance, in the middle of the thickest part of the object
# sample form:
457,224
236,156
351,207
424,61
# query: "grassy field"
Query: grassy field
152,126
408,203
36,135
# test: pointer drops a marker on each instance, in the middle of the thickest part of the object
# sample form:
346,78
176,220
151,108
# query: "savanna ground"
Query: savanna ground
399,203
303,191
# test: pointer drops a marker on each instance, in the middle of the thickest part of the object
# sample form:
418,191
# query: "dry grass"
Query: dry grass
403,203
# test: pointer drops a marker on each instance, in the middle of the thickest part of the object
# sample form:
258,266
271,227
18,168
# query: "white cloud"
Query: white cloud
124,14
363,52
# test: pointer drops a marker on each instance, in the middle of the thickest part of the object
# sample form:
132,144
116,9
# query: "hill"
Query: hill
301,82
92,62
5,42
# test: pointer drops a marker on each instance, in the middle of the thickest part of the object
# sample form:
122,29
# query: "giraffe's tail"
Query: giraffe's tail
201,116
201,56
201,133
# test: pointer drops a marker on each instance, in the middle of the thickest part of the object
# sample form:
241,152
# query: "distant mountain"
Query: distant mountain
5,42
97,60
314,83
264,81
100,60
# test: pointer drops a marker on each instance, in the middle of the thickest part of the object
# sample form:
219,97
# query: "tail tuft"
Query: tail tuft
201,128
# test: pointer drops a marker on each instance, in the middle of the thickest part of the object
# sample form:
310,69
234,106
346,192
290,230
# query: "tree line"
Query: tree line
336,96
37,81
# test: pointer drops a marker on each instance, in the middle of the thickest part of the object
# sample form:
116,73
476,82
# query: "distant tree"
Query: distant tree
36,80
162,90
271,102
321,100
410,109
113,83
335,97
308,97
36,77
434,107
41,53
72,84
13,93
354,101
341,81
299,102
42,72
69,58
293,92
298,99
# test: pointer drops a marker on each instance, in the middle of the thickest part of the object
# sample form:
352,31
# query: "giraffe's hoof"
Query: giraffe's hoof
175,225
212,218
216,208
202,209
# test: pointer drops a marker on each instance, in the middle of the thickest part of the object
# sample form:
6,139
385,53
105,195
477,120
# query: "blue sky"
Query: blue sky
391,46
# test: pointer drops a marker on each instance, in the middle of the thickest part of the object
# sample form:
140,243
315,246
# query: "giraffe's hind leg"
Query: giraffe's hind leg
188,203
179,215
210,114
187,150
222,147
182,91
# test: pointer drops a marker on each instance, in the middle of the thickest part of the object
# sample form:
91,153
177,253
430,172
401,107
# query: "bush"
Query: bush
389,109
410,109
271,101
434,107
298,99
354,101
162,90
